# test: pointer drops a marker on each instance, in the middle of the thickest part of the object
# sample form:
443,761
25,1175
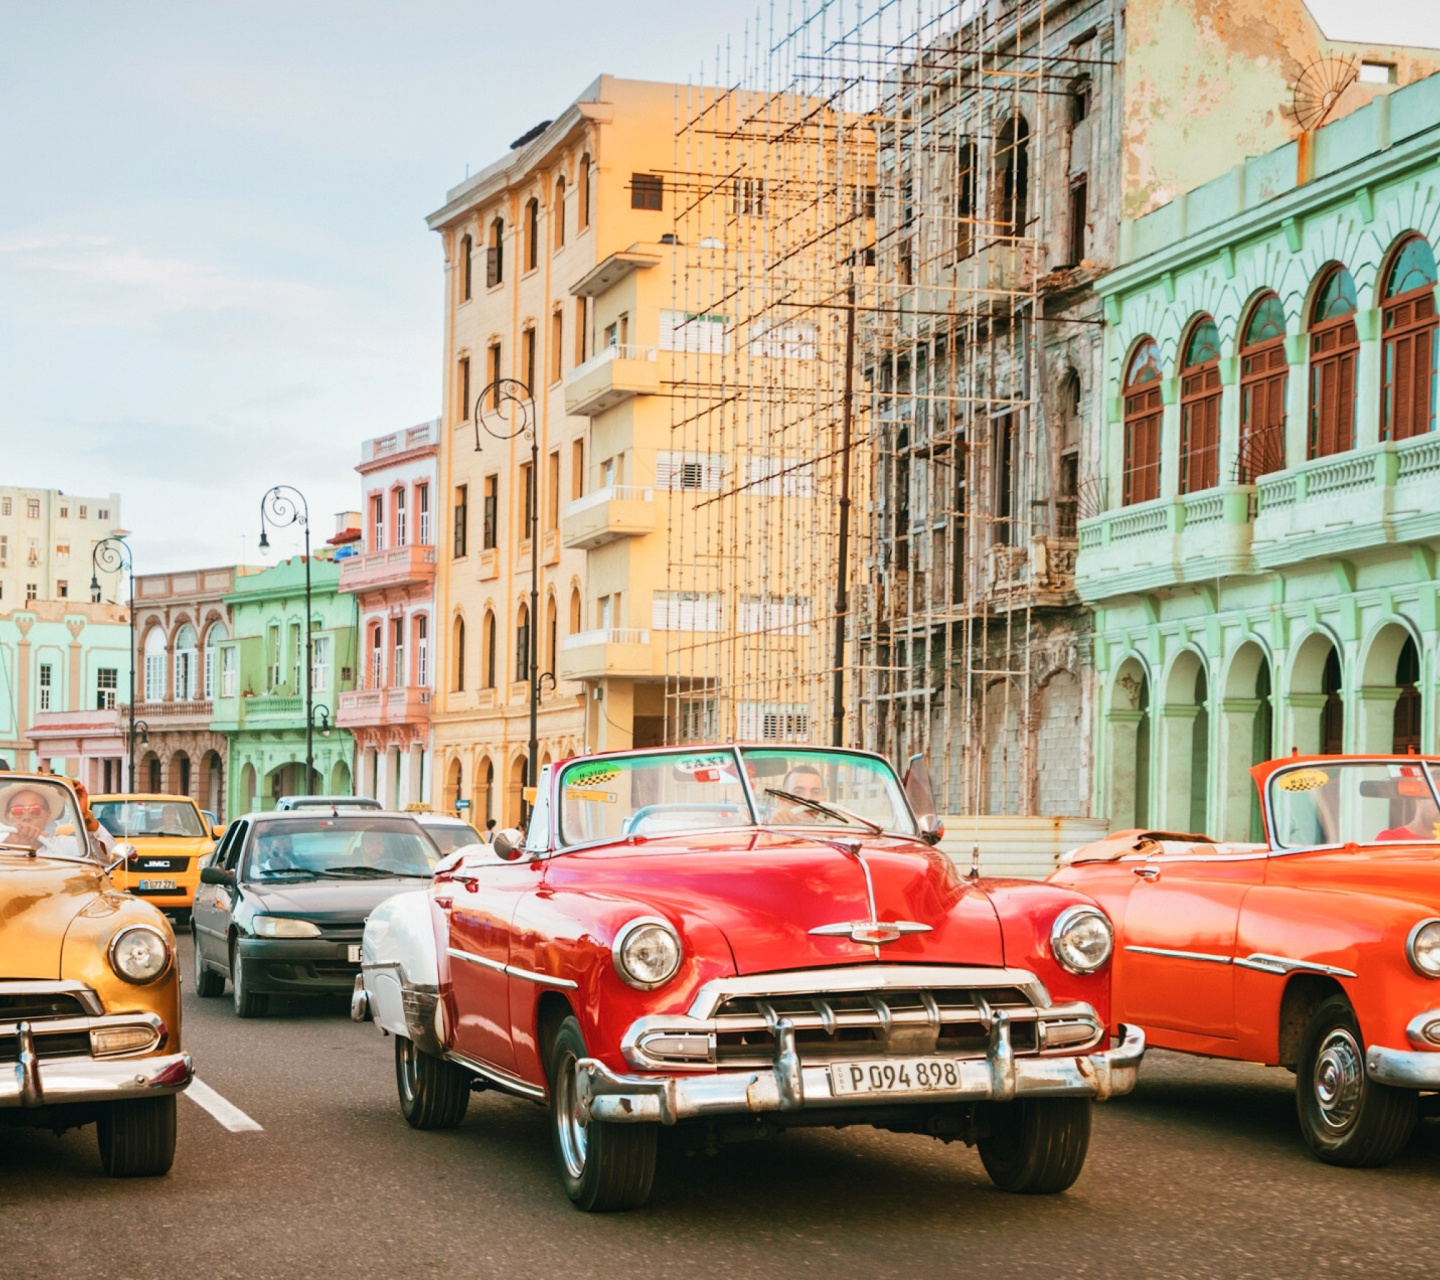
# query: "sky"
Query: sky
215,274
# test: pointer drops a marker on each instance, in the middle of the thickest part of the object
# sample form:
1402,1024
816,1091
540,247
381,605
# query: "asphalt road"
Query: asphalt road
1200,1173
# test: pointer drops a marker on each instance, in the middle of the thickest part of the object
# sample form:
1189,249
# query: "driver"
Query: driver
1421,823
276,854
172,821
372,848
28,813
805,781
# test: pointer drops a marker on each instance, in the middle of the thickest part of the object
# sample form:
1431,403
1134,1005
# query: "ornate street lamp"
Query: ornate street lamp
322,715
113,555
511,416
283,505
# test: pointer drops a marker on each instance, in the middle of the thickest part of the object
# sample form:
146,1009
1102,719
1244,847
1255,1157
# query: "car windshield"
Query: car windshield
39,816
342,848
125,819
1360,802
666,792
449,836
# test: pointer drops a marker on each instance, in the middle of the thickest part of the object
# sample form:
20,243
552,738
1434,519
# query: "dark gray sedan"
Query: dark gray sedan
281,907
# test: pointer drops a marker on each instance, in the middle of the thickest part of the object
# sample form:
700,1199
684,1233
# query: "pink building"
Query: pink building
387,561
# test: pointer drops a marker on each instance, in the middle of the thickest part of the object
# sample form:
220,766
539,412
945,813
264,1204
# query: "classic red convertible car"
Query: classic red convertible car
1318,951
743,940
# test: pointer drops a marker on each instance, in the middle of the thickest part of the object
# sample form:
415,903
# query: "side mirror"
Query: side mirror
122,852
508,842
932,830
217,833
216,875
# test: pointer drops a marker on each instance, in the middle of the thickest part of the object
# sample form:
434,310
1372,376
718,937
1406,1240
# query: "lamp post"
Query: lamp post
283,505
113,555
511,416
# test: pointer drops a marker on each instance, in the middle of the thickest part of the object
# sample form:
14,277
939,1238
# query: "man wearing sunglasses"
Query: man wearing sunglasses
27,813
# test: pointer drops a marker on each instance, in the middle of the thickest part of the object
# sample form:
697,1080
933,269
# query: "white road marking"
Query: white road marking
226,1112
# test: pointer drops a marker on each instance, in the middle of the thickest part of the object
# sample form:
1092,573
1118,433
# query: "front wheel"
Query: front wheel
1347,1118
137,1138
248,1004
603,1167
208,983
1036,1146
433,1093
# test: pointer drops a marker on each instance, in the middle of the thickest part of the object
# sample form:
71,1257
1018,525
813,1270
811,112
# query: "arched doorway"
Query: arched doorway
453,785
340,779
179,771
1127,720
1408,705
247,789
1246,724
1314,701
515,792
1185,746
213,783
1388,702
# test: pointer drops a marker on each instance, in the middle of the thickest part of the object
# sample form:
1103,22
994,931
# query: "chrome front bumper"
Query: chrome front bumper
789,1085
46,1082
1405,1068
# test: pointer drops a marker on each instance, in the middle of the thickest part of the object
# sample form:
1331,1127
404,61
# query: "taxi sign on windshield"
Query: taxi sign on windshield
717,767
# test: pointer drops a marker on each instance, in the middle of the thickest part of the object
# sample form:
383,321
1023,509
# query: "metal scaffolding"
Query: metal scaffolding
873,509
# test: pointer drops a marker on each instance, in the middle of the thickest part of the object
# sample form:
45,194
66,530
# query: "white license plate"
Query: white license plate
895,1075
352,954
157,884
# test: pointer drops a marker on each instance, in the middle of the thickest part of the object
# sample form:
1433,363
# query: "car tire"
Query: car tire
604,1167
433,1093
1036,1146
137,1138
248,1004
1347,1118
208,983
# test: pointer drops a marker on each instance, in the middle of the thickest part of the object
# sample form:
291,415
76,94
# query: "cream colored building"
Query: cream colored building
46,539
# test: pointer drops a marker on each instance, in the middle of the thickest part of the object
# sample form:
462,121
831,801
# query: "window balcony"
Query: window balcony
367,708
167,714
614,512
413,565
1194,538
611,376
611,651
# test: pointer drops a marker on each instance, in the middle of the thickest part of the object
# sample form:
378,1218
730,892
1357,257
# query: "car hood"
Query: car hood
767,892
168,846
327,901
39,897
1409,873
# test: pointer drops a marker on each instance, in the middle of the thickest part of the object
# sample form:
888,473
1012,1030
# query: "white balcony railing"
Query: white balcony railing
610,493
620,351
606,635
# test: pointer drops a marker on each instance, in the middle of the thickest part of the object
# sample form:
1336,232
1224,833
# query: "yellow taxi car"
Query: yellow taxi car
169,838
89,991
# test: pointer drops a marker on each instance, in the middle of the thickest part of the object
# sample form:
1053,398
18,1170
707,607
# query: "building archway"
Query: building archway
340,779
1246,737
1388,702
1127,718
1314,699
454,785
515,792
1185,745
212,783
247,789
178,774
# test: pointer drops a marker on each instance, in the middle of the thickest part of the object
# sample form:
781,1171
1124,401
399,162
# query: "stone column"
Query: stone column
1374,718
1300,723
1236,743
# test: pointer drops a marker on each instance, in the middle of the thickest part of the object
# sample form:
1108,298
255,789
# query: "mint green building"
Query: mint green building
259,702
1263,567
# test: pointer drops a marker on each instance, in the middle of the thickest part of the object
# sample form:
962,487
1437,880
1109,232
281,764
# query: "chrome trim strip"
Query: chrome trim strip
864,977
498,1078
1179,955
544,979
1263,963
48,987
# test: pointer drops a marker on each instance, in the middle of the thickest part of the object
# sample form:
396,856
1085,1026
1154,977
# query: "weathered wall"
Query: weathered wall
1210,82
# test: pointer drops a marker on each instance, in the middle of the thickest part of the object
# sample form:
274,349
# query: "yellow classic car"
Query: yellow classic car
89,992
170,838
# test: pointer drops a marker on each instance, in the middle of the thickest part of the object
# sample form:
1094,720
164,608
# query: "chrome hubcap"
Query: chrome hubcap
569,1126
1339,1079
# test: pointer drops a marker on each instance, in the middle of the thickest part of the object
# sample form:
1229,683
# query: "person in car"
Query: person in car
806,782
275,854
1421,823
27,815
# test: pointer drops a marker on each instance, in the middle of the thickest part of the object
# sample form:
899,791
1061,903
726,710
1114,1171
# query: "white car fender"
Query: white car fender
399,967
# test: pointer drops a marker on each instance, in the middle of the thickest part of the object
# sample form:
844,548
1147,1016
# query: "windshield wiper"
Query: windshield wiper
829,810
374,873
289,871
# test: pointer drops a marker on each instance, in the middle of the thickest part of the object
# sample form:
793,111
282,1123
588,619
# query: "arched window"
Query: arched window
583,181
574,610
187,664
377,657
495,259
1012,188
532,233
402,535
1200,409
1407,405
214,638
557,212
155,665
457,655
467,251
522,644
1264,375
487,640
1334,344
422,650
1143,412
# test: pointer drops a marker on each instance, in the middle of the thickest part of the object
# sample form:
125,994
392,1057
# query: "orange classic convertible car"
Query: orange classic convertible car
1318,950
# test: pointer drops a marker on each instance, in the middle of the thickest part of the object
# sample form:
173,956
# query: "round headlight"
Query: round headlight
1081,939
283,927
139,953
1422,948
646,952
